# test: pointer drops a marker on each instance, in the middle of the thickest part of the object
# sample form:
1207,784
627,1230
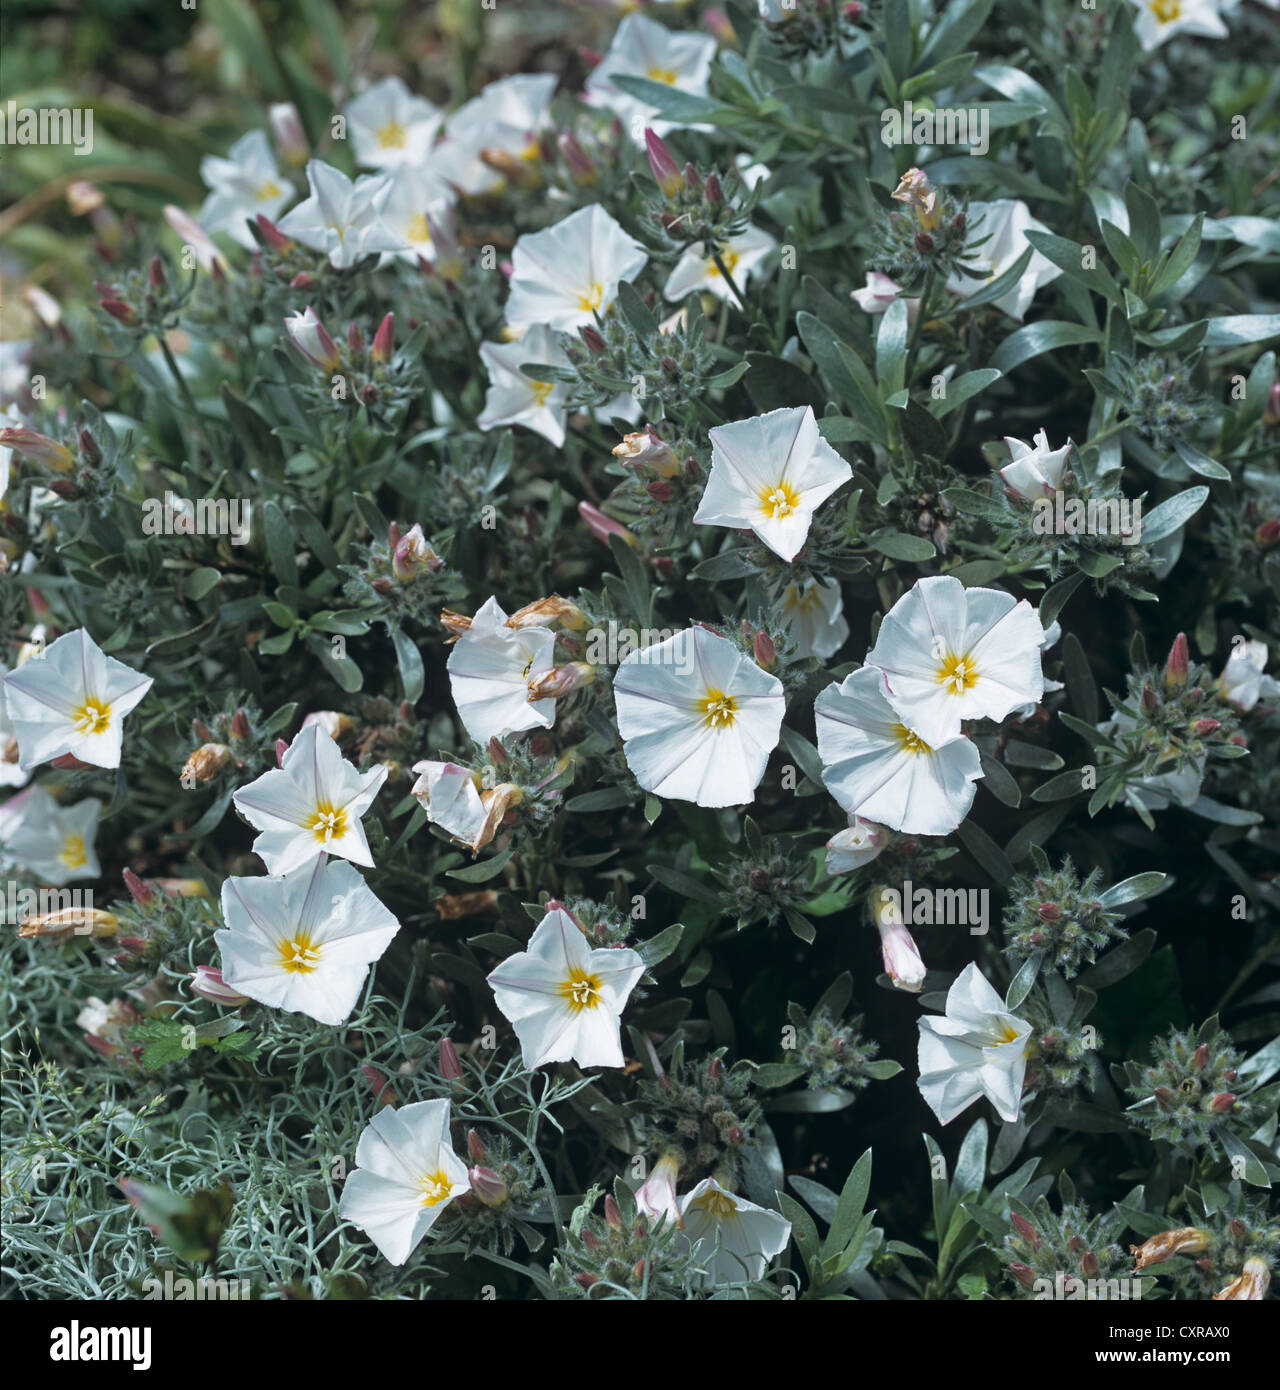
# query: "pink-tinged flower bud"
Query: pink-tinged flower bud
691,179
853,11
1175,670
1271,411
923,243
588,57
240,727
384,341
666,172
1074,1244
413,554
1200,1058
735,1134
39,448
714,193
764,650
898,950
1222,1102
1149,700
1268,533
450,1066
209,984
594,1244
1251,1284
194,235
477,1149
287,132
1236,1227
141,892
89,450
355,340
155,273
312,340
369,393
1229,1076
1205,727
303,281
718,25
1186,1240
611,1213
1163,1094
1024,1228
715,1069
1048,912
595,342
272,235
488,1187
657,1198
377,1083
118,309
576,159
281,749
561,681
1024,1274
659,490
1088,1264
602,526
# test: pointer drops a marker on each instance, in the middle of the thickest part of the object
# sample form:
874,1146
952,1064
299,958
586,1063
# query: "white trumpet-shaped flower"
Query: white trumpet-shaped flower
53,843
642,47
303,941
949,653
391,126
568,273
877,768
745,1237
244,184
406,1174
696,270
342,218
311,804
563,998
1004,224
771,474
12,773
859,843
72,699
1034,470
1157,21
418,203
490,671
698,718
976,1049
516,399
813,616
507,117
1243,680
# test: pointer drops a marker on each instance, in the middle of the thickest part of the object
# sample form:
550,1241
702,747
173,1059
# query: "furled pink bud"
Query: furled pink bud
1268,533
1048,912
281,749
209,984
272,235
666,172
600,525
384,340
1222,1102
142,893
155,273
118,309
39,448
1024,1228
287,132
1200,1058
1163,1094
1271,411
1024,1274
715,194
591,335
194,235
1149,700
764,650
1088,1264
303,281
1175,670
412,554
355,339
240,728
899,952
561,681
611,1213
477,1150
488,1187
450,1066
657,1198
576,159
660,491
312,340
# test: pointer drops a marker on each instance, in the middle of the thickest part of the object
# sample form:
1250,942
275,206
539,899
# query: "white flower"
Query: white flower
311,804
878,293
312,339
507,116
898,950
564,999
11,419
1158,20
53,843
1052,635
406,1174
418,202
15,375
515,399
244,184
1242,680
1034,469
695,270
949,653
72,699
389,125
771,474
563,276
657,1197
11,773
644,48
812,615
342,218
1179,787
1005,224
698,718
490,669
745,1237
303,941
193,235
876,767
450,795
860,842
975,1049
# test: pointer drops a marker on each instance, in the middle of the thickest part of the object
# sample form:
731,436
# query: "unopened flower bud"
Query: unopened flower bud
1268,533
659,490
1024,1274
142,893
591,336
1205,727
1222,1102
287,131
1088,1264
576,159
450,1066
1175,670
37,447
1271,411
923,243
477,1149
611,1213
1236,1227
561,681
155,273
764,650
1200,1058
1024,1228
1149,700
355,339
600,525
488,1187
384,340
209,984
1048,912
272,235
89,450
666,172
281,749
714,193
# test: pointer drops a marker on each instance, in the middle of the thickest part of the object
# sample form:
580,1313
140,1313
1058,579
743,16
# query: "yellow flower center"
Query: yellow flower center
958,674
72,853
718,1205
267,191
341,231
1166,11
911,742
1007,1034
591,299
532,151
298,956
779,500
434,1188
581,990
329,822
417,229
798,600
92,717
391,136
719,711
730,259
541,390
657,74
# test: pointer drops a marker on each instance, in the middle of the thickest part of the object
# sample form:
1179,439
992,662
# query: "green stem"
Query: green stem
718,257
